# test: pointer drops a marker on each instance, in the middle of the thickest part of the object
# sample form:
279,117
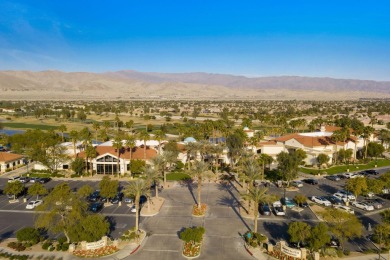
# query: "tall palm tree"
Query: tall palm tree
367,132
337,136
90,153
74,135
62,129
159,163
357,131
96,127
144,135
192,151
117,144
198,172
256,195
252,171
152,176
136,189
130,143
159,136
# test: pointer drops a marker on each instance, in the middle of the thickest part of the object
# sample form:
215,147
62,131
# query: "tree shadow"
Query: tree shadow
231,201
190,185
328,188
6,235
277,231
112,223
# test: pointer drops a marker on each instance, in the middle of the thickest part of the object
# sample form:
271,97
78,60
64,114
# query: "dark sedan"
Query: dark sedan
264,209
334,200
96,207
44,180
311,181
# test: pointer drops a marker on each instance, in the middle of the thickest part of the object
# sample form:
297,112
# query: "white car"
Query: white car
321,200
133,209
348,194
34,203
350,175
345,208
362,205
13,179
341,196
297,184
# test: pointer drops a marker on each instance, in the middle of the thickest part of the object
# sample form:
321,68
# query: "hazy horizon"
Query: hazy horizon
342,40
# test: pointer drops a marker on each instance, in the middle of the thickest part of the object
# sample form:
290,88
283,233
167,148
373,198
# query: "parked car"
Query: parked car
311,181
381,201
369,195
34,179
44,180
297,184
341,176
333,177
278,211
303,204
33,204
13,179
350,175
287,202
128,200
264,209
24,179
345,208
362,205
94,197
133,209
373,203
341,196
348,194
117,198
371,172
96,207
321,201
334,200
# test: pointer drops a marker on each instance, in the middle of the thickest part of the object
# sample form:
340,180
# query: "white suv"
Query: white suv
13,179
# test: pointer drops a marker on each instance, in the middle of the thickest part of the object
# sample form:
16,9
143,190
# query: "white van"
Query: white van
13,179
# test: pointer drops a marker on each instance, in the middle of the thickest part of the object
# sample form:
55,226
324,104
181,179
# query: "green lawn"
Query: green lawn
343,168
177,176
29,126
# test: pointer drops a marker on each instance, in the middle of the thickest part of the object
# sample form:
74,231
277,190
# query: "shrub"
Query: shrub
179,165
74,175
192,234
58,247
16,246
28,234
65,247
46,245
61,240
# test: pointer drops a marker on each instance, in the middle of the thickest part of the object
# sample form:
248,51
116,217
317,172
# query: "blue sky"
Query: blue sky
341,39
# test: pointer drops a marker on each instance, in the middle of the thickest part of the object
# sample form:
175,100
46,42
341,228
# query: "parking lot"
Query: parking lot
224,225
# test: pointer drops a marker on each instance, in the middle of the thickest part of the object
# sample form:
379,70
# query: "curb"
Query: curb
153,214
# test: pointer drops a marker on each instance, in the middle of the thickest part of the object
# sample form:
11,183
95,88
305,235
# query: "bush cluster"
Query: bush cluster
254,239
192,234
17,246
13,257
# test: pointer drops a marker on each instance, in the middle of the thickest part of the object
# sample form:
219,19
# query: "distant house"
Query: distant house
10,161
315,143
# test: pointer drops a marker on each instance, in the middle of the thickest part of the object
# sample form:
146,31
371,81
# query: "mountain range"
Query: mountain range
129,84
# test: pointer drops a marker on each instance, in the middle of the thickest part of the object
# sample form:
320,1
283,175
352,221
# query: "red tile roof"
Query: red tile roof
138,152
8,157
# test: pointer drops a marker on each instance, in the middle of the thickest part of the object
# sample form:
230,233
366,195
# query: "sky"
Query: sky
318,38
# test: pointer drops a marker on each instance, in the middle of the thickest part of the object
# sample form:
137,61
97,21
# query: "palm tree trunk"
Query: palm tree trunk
199,190
165,178
144,150
255,216
136,213
156,189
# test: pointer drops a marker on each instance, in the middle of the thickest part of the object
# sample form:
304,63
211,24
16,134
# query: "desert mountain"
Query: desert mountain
126,85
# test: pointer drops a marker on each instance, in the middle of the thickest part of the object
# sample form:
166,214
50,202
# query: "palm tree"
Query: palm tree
62,129
117,143
144,135
159,136
130,143
367,132
199,171
337,136
192,151
357,131
252,171
90,152
256,195
74,135
129,125
152,176
96,127
136,189
159,163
